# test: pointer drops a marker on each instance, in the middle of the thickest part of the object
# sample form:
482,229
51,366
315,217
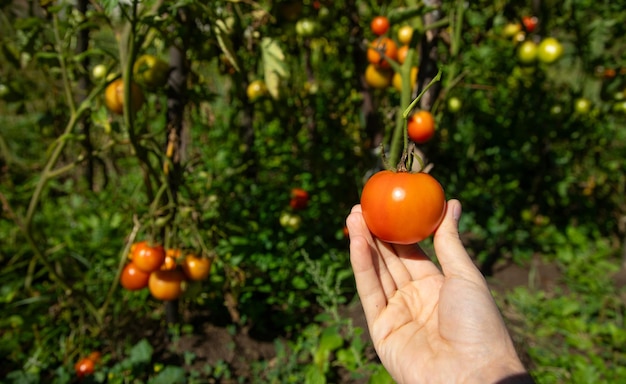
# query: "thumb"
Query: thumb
454,259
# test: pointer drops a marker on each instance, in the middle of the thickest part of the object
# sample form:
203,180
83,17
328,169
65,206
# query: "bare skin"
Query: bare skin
430,325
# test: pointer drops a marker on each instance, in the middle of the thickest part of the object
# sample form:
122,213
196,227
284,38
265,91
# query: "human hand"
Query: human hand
430,325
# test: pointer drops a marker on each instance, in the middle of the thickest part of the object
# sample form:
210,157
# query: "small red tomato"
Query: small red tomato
299,198
148,257
133,278
84,367
421,126
530,23
402,207
379,25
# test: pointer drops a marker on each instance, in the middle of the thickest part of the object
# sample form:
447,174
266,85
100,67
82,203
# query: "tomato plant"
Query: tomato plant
421,126
396,81
379,25
114,97
166,285
84,367
549,50
148,257
133,278
402,207
377,77
381,50
196,268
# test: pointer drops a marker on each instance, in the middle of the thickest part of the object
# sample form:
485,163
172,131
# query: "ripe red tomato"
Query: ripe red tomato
84,367
299,198
133,278
166,285
196,268
530,23
379,25
386,46
402,207
421,126
148,258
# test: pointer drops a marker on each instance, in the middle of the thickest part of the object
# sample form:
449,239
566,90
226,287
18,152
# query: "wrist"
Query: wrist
500,372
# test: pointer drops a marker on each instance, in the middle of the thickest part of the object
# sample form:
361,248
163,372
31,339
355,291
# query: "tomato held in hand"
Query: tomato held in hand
196,268
133,278
402,207
84,367
166,285
148,258
421,126
379,25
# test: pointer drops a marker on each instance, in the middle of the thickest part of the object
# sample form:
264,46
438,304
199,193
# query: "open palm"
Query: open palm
430,325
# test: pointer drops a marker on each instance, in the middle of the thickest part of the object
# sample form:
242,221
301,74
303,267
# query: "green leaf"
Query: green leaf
221,33
274,65
141,353
169,375
314,375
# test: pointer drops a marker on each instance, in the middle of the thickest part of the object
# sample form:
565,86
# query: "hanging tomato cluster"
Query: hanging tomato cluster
162,271
379,73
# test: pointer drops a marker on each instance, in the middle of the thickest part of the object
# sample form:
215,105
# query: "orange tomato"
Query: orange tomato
380,46
114,97
402,207
148,258
133,278
166,285
196,268
421,126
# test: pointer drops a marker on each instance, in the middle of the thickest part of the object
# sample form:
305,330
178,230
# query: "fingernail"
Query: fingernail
456,211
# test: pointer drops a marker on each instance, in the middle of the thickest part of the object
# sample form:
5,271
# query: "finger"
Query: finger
454,260
417,264
366,265
378,252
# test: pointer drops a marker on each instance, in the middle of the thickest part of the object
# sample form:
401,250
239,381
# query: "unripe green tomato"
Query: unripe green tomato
4,90
549,50
527,52
306,27
454,104
99,72
582,106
